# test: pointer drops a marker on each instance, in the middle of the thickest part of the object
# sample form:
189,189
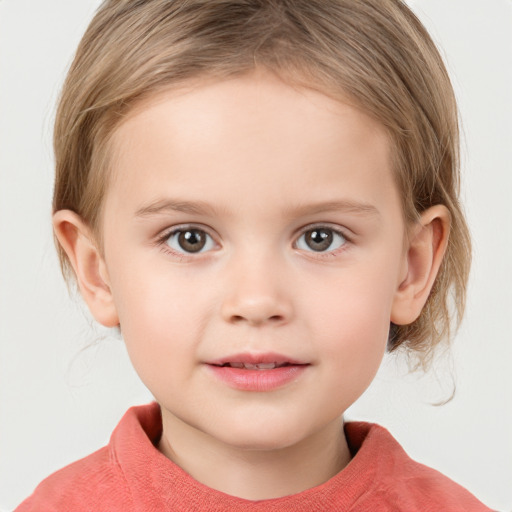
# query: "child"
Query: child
263,196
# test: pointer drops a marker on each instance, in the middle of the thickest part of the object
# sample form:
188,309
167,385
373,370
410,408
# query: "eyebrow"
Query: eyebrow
349,206
170,205
164,206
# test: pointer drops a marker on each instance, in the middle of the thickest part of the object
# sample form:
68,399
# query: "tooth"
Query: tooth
260,366
236,365
266,366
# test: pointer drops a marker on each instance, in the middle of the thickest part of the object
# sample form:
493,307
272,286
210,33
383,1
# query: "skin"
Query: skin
256,164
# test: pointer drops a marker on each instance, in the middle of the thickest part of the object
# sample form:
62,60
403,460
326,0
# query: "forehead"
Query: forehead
252,134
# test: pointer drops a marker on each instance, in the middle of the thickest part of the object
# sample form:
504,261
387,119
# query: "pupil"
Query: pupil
192,240
319,239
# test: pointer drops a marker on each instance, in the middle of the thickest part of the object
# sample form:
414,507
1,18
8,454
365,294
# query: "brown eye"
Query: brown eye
320,240
190,241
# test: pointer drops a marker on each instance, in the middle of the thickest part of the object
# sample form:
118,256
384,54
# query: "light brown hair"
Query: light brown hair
376,53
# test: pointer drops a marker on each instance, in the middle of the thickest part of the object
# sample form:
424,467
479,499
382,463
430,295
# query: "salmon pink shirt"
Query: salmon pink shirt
130,474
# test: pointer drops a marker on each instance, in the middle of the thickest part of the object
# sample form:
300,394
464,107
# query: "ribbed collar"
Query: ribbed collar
156,483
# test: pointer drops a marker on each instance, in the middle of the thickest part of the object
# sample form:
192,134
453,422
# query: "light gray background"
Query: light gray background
58,404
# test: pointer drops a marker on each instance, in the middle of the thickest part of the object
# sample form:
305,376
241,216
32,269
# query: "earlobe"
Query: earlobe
427,244
88,264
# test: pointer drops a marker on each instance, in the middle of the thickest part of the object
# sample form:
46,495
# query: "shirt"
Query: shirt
130,474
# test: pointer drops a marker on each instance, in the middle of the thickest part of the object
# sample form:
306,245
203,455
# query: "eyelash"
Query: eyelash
164,238
327,254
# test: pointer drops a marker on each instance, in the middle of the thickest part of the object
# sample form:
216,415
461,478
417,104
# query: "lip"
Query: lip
255,358
263,380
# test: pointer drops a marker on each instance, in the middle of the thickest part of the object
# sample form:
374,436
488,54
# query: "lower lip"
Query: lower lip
258,380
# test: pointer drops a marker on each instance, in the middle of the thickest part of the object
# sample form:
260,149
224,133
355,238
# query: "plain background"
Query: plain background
59,403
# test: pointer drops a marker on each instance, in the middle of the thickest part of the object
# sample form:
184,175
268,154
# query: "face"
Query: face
250,224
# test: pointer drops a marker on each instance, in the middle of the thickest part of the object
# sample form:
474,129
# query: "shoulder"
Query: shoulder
106,479
93,483
399,482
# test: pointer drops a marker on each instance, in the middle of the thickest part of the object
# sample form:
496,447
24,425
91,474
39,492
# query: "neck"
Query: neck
256,474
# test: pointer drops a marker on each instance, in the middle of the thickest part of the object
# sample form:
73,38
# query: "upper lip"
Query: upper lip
254,358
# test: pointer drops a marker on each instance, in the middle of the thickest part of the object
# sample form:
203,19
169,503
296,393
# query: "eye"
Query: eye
190,241
321,239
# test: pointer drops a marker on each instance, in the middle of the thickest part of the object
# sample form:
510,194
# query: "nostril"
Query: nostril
256,310
255,320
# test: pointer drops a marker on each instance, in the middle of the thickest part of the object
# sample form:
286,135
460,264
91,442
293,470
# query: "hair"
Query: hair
373,53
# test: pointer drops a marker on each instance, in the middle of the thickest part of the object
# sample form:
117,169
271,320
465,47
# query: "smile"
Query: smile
257,366
257,372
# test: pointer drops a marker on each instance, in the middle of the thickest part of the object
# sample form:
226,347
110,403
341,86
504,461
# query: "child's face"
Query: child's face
248,219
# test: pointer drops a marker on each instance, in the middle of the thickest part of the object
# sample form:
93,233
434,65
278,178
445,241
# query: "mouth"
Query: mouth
250,361
257,372
254,366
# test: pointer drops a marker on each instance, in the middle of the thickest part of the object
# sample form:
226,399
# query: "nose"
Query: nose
257,295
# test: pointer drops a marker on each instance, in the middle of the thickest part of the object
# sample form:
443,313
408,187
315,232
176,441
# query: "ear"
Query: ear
427,244
76,239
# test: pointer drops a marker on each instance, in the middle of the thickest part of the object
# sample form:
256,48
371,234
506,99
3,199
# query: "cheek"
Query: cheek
154,297
159,330
351,322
